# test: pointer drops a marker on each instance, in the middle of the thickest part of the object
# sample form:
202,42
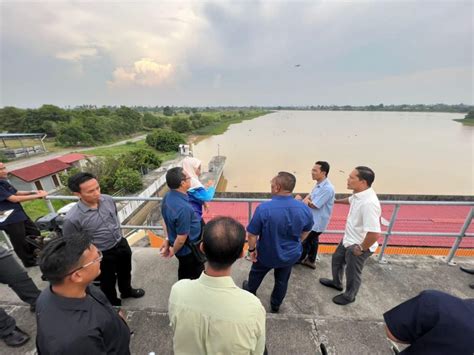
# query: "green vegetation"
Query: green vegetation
37,208
219,126
468,120
165,140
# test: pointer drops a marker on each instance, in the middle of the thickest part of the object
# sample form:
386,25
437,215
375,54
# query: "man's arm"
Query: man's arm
70,229
260,348
179,242
304,235
252,243
343,201
392,337
27,197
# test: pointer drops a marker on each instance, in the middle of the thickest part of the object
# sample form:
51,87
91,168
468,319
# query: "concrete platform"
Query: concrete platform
307,317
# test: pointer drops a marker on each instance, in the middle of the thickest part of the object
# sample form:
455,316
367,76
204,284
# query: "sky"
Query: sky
235,53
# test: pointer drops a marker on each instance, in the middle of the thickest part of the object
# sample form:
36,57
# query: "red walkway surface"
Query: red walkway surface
437,219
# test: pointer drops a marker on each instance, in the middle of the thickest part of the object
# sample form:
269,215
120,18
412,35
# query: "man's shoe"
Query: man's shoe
32,308
16,338
471,286
134,293
465,269
341,300
274,309
245,285
309,264
330,283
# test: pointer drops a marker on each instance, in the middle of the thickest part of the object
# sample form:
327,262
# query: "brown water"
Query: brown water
410,152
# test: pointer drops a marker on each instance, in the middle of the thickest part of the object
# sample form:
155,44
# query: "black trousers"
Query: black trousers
310,246
116,268
13,275
189,267
17,233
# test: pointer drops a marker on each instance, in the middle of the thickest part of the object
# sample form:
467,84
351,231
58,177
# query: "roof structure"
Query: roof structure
37,171
21,135
71,158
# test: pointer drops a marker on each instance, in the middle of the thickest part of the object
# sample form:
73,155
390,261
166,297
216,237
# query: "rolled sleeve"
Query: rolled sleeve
255,225
321,198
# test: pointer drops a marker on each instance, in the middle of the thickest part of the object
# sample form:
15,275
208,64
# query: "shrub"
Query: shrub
164,140
181,124
128,180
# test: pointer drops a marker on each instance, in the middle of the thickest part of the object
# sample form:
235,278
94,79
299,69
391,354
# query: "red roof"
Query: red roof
37,171
71,158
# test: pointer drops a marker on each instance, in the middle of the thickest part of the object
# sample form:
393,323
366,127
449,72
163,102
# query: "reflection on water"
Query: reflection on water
410,152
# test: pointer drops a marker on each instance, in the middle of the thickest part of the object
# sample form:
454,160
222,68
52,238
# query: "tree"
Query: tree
164,140
141,160
12,119
131,119
181,124
152,121
168,111
470,115
128,180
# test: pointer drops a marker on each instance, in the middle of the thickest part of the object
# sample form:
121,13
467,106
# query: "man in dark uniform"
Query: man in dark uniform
18,225
74,317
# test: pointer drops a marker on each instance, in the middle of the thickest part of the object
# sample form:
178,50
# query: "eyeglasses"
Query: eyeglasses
98,259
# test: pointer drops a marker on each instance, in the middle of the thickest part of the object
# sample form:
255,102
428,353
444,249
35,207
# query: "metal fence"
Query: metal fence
387,234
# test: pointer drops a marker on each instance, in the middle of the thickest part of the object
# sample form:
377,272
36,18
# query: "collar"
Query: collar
216,282
179,194
322,183
85,208
72,304
364,194
280,197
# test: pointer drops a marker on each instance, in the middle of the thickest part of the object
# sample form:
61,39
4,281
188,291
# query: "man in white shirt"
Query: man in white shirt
360,236
211,315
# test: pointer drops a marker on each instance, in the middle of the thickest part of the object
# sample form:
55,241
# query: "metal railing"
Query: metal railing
387,234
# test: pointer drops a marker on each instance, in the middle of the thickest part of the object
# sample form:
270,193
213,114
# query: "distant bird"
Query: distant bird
297,65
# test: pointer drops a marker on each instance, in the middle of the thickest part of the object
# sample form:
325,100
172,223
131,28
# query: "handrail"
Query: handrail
459,236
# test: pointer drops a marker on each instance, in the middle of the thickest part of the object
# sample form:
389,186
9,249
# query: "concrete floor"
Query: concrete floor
307,317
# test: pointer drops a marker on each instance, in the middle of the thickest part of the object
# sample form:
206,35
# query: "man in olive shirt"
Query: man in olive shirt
74,317
96,216
211,315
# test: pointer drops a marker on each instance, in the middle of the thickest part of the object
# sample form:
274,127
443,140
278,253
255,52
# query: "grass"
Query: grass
37,208
221,126
127,147
466,121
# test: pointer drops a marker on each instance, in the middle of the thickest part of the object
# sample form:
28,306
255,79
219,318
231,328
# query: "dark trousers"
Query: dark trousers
310,246
282,276
116,267
7,323
189,267
13,275
343,258
17,233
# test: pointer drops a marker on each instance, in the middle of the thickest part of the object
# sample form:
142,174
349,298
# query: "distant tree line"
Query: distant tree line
381,107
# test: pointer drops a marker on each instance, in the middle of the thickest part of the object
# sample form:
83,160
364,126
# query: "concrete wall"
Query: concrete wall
21,185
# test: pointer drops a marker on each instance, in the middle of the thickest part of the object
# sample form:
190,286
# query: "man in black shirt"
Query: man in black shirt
74,317
18,225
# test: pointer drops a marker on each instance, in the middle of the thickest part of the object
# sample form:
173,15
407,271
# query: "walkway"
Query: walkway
307,316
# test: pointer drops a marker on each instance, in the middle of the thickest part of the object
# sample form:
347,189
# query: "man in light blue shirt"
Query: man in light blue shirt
321,202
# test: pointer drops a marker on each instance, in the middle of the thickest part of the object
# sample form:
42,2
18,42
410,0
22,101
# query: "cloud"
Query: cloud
145,72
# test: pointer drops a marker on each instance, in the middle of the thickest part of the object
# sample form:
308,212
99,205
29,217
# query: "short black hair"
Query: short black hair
286,180
174,177
366,173
74,182
223,241
61,255
324,166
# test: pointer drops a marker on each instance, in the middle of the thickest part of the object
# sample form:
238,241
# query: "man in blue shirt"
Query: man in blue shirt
433,323
274,237
182,224
321,202
18,225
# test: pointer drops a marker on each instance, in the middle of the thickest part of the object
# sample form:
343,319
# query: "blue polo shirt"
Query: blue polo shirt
180,219
434,322
322,197
18,214
279,224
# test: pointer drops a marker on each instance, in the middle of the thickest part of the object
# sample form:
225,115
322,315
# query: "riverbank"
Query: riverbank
465,121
